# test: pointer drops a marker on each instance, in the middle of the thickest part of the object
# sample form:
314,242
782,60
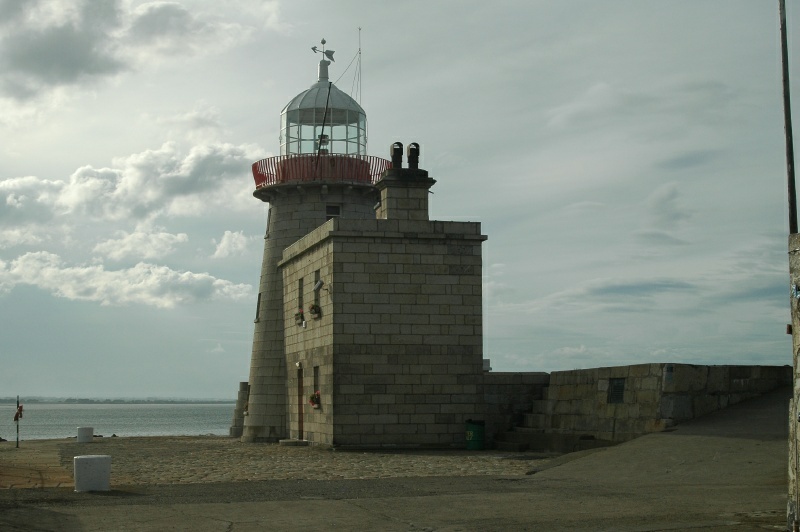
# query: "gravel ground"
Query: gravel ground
197,460
724,472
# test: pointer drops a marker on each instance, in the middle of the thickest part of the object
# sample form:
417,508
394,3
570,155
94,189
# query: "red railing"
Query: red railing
310,167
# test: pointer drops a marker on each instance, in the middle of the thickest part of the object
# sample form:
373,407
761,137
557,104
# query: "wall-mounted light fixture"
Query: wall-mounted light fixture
298,364
318,285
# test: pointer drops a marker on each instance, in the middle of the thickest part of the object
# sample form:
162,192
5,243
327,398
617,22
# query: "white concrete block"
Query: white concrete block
85,434
92,472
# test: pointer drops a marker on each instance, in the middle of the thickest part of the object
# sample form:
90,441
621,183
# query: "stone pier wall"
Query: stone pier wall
621,403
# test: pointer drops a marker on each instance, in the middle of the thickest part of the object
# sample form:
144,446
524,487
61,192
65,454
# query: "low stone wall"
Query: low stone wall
508,397
620,403
693,391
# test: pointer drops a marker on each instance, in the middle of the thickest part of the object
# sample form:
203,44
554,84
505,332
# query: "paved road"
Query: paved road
725,472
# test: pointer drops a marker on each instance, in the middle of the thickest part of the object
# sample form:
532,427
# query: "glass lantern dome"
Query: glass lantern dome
323,119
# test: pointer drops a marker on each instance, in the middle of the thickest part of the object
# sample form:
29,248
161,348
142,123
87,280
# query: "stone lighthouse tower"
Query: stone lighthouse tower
322,172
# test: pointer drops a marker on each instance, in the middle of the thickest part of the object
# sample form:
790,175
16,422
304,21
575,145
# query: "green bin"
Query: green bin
475,432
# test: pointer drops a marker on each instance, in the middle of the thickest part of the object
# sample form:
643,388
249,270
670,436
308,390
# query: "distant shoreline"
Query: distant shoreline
81,401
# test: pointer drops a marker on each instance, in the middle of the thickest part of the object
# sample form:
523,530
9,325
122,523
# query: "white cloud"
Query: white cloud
19,236
145,284
27,199
135,192
217,350
89,191
140,244
231,244
142,186
27,212
161,182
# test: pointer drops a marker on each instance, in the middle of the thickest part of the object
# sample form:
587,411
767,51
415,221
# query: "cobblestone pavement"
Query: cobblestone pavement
202,459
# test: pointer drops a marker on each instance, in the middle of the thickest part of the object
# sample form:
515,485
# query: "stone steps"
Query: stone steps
536,434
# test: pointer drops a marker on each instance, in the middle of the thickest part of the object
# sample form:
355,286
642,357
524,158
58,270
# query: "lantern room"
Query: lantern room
323,119
323,140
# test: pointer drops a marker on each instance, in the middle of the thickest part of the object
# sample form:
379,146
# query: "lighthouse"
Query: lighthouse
323,172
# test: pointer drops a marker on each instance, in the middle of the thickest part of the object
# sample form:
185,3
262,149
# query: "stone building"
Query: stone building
322,172
394,344
361,297
368,322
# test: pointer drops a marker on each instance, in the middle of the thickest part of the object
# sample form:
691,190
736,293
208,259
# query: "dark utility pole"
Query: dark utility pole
787,121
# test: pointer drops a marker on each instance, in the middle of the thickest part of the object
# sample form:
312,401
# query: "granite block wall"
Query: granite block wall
624,402
400,333
308,339
294,211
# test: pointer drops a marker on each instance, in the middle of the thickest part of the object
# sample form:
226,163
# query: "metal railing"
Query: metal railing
362,169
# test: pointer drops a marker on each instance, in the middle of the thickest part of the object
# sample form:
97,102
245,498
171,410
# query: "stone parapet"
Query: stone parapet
623,402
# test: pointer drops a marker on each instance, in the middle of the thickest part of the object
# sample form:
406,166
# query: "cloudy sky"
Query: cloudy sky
626,160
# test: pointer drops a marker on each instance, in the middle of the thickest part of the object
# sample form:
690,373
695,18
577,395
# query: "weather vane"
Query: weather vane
327,53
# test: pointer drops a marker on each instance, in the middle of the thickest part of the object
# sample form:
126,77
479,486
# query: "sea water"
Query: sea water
43,421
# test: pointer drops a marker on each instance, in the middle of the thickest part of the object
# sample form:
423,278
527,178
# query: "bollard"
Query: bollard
92,472
85,434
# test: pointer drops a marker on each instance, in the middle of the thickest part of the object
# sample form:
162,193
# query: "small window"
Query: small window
332,211
300,295
616,390
258,306
316,378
